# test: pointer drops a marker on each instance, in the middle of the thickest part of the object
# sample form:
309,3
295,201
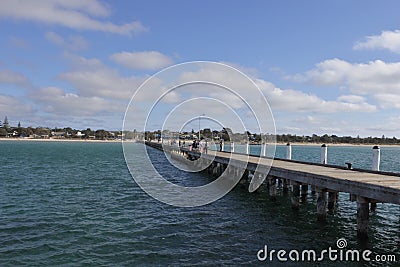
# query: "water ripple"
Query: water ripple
67,204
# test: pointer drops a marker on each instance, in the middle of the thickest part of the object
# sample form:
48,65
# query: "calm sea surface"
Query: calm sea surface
75,204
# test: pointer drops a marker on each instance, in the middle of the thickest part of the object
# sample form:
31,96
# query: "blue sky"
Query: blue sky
324,66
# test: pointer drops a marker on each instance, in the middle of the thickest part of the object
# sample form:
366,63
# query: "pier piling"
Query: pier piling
321,204
285,186
304,191
272,188
294,199
373,206
362,216
332,198
313,189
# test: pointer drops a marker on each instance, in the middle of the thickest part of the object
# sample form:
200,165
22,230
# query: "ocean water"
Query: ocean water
75,204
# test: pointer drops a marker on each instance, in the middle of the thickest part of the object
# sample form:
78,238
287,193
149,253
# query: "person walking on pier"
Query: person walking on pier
220,145
202,146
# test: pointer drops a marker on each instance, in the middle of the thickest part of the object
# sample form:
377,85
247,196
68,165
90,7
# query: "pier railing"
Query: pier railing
367,187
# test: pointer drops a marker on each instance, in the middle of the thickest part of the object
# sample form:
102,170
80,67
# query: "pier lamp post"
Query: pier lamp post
199,124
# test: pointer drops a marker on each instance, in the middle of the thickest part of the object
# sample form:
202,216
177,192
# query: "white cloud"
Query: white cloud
373,78
57,101
388,100
93,79
388,125
102,82
321,123
297,101
75,14
14,78
327,73
360,78
307,119
386,40
82,63
285,103
73,42
14,108
351,98
279,99
145,60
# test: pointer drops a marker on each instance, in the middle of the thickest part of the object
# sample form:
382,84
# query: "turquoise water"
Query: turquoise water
75,204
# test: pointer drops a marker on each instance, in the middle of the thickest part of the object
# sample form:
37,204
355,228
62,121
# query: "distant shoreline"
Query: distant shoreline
60,140
119,141
339,144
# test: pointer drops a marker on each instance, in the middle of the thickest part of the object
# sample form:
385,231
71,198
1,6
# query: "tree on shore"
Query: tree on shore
102,134
42,131
19,129
87,133
3,132
6,125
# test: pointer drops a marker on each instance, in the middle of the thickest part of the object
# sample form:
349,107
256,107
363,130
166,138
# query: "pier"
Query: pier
366,187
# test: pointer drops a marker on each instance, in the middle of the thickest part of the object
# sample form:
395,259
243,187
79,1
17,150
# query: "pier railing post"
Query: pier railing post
288,151
376,158
324,154
264,150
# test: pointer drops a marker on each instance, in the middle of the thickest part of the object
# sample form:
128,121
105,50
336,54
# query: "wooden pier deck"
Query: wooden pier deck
379,186
364,186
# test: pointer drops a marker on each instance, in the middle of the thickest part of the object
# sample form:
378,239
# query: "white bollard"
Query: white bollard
232,147
264,150
324,154
376,158
247,148
288,151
